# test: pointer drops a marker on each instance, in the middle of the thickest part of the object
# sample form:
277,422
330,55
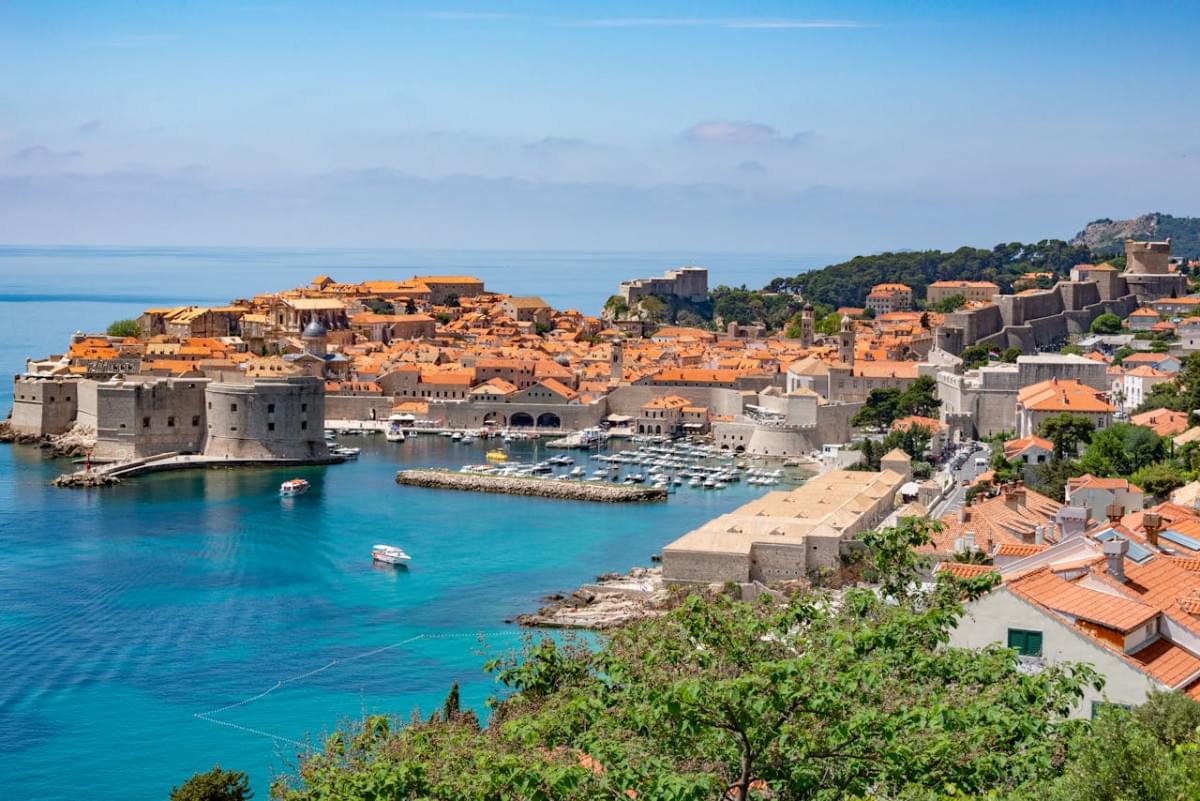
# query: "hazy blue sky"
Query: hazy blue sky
758,126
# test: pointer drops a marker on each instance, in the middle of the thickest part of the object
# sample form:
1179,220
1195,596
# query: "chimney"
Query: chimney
963,514
1014,496
1114,551
1115,512
1152,523
1039,534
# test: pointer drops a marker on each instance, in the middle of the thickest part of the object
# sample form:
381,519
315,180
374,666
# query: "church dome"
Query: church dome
314,330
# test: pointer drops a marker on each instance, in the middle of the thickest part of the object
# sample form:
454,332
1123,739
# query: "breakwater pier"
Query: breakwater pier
540,487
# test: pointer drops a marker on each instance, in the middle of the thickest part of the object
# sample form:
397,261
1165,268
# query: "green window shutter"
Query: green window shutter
1027,643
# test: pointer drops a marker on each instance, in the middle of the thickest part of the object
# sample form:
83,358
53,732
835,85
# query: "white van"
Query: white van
981,461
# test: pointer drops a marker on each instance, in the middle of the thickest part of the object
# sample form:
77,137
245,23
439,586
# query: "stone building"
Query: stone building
784,535
43,406
970,291
687,283
268,418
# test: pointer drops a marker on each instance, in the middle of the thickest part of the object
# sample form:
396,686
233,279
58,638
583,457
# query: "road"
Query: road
967,472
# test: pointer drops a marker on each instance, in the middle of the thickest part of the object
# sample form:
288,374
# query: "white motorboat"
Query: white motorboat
293,487
395,431
389,554
347,453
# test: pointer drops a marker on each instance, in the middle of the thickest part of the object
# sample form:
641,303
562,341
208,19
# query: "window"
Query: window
303,425
195,421
270,408
145,422
170,422
304,407
270,426
1027,643
233,407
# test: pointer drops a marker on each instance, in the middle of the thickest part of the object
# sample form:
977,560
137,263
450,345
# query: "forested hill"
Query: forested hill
1108,236
848,283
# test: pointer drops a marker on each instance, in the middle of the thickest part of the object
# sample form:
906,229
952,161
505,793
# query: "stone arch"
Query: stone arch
521,420
494,419
641,428
658,429
549,420
740,449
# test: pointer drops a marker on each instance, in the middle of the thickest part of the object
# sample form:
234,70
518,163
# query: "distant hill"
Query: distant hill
848,283
1107,237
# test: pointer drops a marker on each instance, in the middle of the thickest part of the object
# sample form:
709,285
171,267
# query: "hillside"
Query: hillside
1108,237
848,283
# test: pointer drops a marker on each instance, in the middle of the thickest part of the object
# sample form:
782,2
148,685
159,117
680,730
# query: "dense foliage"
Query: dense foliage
124,328
883,406
848,283
721,699
214,785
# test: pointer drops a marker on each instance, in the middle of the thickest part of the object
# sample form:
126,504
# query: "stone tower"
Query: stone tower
617,360
846,342
806,326
1147,258
314,339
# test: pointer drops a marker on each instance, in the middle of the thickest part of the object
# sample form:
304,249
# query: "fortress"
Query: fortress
688,283
235,417
1038,319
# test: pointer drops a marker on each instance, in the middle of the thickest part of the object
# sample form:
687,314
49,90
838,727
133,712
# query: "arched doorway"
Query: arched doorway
549,420
521,420
494,419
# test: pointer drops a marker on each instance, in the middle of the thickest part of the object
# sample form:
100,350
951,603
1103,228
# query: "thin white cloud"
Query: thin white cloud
730,23
738,132
708,22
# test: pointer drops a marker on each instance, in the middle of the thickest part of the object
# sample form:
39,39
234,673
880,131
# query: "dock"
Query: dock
541,487
114,472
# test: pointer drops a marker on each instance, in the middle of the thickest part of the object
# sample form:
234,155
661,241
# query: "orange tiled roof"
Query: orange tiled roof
1054,592
1062,396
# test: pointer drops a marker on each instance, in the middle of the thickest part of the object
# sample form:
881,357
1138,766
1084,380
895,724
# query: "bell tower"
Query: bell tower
846,342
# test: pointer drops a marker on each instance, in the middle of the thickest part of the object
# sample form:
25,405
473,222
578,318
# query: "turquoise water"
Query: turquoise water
126,611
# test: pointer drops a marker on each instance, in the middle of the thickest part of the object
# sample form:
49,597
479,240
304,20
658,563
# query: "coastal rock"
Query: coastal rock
541,487
8,435
85,478
613,601
79,441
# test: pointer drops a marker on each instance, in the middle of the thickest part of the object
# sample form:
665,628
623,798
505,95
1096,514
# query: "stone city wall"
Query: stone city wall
43,406
271,418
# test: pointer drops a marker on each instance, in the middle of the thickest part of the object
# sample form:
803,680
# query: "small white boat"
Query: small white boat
389,554
395,432
347,453
293,487
577,472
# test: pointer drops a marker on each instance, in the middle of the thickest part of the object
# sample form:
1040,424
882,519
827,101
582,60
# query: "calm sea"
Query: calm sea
127,612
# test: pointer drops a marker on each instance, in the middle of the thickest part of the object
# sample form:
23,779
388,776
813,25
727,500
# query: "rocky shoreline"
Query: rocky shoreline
79,441
612,601
540,487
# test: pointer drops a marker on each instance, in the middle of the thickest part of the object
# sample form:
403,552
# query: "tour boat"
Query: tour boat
497,455
394,431
296,486
389,554
347,453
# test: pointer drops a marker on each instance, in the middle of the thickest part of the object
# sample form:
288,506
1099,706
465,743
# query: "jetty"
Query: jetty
103,475
540,487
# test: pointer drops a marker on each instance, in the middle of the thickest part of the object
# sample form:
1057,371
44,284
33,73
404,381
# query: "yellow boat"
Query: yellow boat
497,456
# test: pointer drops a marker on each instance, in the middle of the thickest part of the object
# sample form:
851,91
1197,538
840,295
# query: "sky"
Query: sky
783,127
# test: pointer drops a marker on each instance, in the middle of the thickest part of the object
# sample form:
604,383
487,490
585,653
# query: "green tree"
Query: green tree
949,304
1121,450
975,356
829,325
803,698
616,307
1107,323
1050,479
214,785
878,410
1066,431
1158,479
1121,353
1071,350
1172,716
913,440
1120,758
919,398
124,328
1010,355
1165,395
